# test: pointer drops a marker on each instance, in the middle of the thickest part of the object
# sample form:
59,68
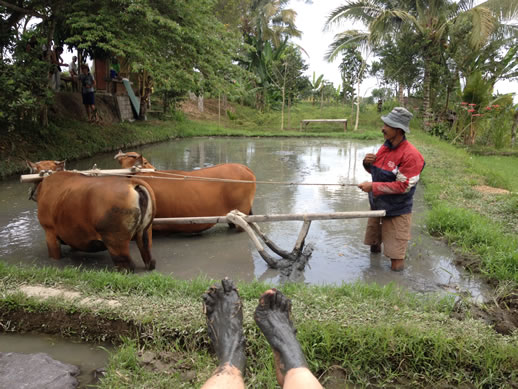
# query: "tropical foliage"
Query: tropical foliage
240,49
442,43
440,53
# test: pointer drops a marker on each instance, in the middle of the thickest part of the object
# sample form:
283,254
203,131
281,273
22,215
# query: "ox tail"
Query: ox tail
145,203
143,234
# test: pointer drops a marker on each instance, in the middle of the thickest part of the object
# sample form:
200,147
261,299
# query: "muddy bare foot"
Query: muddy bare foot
223,309
272,315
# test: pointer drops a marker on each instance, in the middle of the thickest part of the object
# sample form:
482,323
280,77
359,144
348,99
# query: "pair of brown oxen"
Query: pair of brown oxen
106,213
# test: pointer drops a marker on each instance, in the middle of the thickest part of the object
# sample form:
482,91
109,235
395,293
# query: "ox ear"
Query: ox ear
60,165
32,166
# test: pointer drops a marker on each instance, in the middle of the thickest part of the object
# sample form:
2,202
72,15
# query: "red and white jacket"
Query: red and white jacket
395,174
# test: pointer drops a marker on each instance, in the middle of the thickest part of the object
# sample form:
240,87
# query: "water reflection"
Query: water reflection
339,255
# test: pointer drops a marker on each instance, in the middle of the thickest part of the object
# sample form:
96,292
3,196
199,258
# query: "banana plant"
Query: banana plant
316,85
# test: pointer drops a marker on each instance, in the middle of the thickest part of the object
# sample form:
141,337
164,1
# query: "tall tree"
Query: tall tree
400,63
359,40
349,71
181,44
428,20
266,26
286,75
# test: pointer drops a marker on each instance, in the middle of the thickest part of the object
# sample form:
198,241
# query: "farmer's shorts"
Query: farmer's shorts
89,98
392,231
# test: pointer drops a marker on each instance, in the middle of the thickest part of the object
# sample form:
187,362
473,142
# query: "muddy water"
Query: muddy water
339,255
87,357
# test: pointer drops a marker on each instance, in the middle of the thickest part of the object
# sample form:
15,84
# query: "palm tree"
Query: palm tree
428,21
341,43
316,86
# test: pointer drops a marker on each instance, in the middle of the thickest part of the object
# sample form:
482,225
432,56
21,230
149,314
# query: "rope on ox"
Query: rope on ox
185,177
129,172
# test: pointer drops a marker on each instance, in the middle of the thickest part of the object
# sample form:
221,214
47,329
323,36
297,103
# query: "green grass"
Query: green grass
476,235
250,119
374,334
505,167
480,225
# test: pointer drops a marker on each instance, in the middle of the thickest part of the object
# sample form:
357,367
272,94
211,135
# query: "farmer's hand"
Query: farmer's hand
365,186
369,159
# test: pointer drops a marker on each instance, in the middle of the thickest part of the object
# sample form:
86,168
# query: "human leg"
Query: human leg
224,315
86,103
373,234
395,236
272,315
95,116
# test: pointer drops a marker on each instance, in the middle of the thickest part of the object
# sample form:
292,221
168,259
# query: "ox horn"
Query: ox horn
60,165
119,154
31,166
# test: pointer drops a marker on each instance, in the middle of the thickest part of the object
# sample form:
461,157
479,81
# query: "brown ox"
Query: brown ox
95,213
179,197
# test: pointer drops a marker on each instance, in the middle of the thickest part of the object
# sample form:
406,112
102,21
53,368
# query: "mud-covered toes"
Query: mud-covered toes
273,317
273,299
208,303
228,285
267,299
224,315
283,303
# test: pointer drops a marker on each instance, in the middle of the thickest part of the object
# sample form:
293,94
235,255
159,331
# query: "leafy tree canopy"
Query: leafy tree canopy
181,43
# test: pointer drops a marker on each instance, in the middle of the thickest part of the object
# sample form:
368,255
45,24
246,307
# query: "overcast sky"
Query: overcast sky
311,19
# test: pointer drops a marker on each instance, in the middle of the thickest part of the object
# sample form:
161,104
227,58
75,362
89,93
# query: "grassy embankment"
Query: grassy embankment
482,226
365,333
71,139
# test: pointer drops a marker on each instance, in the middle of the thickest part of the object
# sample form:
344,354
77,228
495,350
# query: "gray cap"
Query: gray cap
399,117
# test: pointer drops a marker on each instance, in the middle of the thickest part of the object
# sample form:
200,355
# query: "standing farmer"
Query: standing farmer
395,171
88,92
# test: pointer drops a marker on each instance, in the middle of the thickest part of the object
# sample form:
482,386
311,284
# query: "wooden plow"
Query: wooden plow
291,264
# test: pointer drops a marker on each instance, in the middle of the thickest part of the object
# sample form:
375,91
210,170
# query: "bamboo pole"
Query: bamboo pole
36,177
270,218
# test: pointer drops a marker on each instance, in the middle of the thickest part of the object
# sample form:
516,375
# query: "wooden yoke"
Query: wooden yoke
37,177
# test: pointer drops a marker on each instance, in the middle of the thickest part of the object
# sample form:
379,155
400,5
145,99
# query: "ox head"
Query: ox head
41,167
36,167
130,159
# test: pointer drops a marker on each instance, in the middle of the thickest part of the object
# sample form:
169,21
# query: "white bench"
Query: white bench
304,123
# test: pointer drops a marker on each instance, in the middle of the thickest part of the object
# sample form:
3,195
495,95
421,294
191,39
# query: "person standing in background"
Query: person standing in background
74,73
88,92
57,62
